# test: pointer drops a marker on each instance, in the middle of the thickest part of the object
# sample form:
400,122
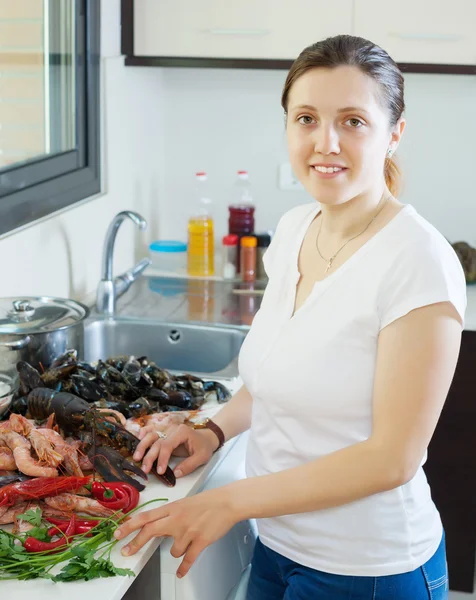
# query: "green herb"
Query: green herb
40,533
85,566
32,516
85,558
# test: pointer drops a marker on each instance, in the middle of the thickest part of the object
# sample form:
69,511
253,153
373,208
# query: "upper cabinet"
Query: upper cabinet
246,29
413,31
436,36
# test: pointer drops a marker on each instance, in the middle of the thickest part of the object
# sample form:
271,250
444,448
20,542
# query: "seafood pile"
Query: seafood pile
135,387
76,417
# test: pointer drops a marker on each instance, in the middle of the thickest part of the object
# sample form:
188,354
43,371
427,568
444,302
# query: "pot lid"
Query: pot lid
39,315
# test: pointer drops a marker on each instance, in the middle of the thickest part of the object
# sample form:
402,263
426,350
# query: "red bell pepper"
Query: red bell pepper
33,545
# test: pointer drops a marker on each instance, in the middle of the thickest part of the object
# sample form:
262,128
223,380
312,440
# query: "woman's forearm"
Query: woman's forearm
235,416
336,479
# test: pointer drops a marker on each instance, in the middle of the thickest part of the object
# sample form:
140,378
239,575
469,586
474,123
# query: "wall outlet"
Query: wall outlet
287,180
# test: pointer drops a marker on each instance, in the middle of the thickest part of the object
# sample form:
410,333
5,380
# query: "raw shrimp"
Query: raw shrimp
42,446
7,462
68,453
19,525
44,449
9,514
20,424
21,453
72,502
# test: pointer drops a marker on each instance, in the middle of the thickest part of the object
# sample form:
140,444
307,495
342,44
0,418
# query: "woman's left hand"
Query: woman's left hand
194,523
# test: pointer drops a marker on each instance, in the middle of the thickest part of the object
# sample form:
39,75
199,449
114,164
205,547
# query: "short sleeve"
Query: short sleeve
424,274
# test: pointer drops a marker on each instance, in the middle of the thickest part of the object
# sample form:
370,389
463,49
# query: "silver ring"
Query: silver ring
161,435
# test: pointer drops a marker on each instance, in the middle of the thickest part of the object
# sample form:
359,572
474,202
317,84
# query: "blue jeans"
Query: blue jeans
274,577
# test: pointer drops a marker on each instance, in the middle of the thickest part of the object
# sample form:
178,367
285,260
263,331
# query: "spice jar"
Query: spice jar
263,241
230,255
248,258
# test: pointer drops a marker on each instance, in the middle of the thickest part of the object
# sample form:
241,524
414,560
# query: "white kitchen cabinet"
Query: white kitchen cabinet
244,29
416,31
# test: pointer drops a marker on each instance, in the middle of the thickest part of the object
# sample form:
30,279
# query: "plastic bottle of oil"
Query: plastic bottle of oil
201,251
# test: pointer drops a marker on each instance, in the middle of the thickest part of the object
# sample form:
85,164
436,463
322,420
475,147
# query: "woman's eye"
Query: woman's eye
354,122
305,120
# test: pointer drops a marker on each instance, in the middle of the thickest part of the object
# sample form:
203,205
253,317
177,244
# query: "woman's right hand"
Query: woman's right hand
197,445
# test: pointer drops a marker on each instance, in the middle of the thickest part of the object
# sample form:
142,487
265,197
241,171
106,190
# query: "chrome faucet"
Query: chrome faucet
109,289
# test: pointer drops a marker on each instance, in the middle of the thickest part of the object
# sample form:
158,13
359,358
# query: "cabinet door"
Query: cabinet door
413,31
451,468
267,29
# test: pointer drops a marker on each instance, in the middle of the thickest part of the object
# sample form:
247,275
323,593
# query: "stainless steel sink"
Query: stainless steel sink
173,346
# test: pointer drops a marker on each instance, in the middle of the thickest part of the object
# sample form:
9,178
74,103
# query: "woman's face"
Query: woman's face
338,133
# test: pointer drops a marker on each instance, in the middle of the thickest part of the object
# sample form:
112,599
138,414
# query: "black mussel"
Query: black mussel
132,371
18,405
12,477
160,377
68,357
29,377
87,389
156,395
65,386
145,380
185,382
86,374
117,362
84,366
140,407
222,392
168,408
53,375
114,374
102,372
182,399
193,378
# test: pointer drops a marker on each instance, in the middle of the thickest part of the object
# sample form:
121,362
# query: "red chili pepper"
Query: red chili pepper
83,526
58,529
84,529
33,545
79,522
126,497
131,491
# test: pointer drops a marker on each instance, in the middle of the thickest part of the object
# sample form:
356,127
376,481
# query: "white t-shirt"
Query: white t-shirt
311,377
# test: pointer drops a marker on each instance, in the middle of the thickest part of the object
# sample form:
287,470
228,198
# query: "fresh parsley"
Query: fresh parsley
32,516
85,558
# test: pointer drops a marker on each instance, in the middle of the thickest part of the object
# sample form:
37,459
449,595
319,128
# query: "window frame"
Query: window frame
51,183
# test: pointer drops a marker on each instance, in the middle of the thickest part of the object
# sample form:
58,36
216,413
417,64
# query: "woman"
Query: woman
346,367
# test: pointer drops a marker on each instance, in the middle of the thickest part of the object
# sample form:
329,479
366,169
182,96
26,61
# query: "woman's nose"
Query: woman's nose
327,140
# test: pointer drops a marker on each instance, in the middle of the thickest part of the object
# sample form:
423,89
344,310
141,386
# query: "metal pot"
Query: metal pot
38,330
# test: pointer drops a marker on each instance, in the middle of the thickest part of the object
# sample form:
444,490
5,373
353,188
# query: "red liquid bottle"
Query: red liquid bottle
241,219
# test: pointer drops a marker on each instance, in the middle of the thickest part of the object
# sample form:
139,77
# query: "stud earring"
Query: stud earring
389,152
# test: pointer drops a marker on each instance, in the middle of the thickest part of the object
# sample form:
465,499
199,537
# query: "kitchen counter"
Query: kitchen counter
114,588
221,303
182,300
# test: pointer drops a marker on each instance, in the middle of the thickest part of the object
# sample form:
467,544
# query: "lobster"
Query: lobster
106,441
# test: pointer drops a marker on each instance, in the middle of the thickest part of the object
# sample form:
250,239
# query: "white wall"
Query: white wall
162,125
61,255
223,120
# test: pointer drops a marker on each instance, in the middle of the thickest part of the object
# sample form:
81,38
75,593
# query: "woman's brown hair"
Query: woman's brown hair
372,60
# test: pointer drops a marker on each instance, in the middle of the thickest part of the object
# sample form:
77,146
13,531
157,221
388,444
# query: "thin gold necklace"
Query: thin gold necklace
330,260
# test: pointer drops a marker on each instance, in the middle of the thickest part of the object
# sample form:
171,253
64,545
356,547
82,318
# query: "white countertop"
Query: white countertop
113,588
